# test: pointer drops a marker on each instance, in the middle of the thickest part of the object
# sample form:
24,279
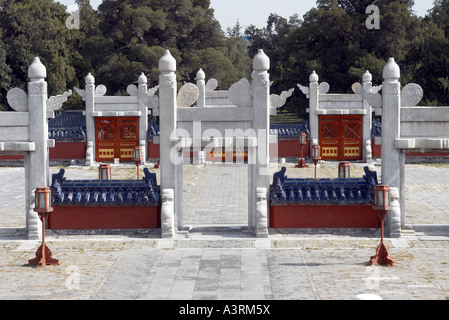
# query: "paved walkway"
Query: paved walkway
219,259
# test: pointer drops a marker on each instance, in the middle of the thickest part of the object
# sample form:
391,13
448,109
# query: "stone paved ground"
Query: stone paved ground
228,262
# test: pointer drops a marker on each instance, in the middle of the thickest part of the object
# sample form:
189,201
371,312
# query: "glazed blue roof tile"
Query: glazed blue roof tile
67,125
306,191
290,130
94,193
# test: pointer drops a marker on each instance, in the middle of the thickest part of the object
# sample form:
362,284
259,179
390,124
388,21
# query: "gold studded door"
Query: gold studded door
341,137
116,137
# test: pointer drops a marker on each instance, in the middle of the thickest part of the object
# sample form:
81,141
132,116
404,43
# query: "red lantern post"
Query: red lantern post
43,208
316,156
382,204
137,157
302,142
344,169
104,171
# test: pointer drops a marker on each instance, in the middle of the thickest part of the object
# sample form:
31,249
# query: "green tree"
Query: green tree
34,28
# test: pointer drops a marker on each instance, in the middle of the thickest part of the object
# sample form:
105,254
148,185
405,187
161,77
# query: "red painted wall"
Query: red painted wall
84,218
352,216
68,150
290,149
153,150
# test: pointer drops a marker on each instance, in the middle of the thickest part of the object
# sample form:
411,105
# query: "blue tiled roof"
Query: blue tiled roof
290,130
67,125
94,193
286,191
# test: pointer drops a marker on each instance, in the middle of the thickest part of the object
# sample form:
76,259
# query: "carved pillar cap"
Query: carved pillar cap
200,75
167,63
313,77
90,79
367,77
391,70
261,62
142,79
37,71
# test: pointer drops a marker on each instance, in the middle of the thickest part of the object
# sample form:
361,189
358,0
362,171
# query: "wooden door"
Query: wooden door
116,137
352,137
329,137
341,137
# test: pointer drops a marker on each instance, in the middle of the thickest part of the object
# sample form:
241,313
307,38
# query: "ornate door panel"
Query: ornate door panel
116,138
341,137
105,139
128,137
352,142
330,137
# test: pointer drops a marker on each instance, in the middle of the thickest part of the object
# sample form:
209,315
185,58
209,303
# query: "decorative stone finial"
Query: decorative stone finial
391,70
167,63
367,77
200,75
90,79
142,79
37,71
261,62
313,77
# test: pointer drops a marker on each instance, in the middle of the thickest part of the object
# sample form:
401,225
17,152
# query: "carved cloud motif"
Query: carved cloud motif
17,99
411,95
187,95
211,84
240,94
55,103
278,101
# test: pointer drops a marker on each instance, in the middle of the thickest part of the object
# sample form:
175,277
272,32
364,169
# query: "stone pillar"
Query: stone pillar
259,166
201,84
262,213
314,100
167,120
367,118
167,214
37,161
90,121
143,120
391,121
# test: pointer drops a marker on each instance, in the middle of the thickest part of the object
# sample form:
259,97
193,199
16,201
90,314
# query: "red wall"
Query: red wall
320,216
68,151
82,218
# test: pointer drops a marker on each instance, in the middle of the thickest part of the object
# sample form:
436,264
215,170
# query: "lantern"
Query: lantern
302,142
137,157
344,169
316,153
382,203
316,156
104,171
382,198
302,138
43,200
43,208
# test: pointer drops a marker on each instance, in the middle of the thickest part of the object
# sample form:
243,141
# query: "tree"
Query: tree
34,28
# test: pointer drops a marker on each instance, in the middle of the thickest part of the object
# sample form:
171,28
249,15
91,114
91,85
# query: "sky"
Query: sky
256,12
